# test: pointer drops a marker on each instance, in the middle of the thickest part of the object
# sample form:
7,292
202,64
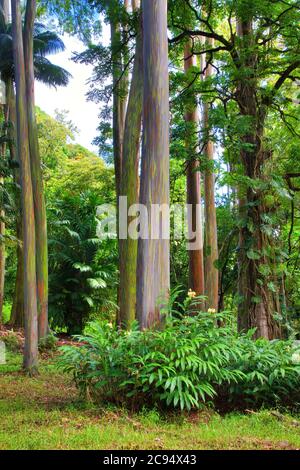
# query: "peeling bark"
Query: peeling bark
193,183
17,311
130,187
4,5
30,291
36,176
153,271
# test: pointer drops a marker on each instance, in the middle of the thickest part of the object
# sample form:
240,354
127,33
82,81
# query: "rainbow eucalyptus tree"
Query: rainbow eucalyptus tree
30,291
153,270
130,183
4,7
45,42
193,181
211,232
36,175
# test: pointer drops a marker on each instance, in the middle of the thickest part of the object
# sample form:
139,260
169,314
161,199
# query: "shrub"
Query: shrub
12,342
189,362
47,344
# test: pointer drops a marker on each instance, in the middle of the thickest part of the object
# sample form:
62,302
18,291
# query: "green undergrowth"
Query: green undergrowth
185,366
45,413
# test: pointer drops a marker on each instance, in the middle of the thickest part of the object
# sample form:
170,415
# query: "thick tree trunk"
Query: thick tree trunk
211,232
193,181
130,188
4,5
153,272
30,290
36,176
258,303
119,114
2,219
119,103
17,311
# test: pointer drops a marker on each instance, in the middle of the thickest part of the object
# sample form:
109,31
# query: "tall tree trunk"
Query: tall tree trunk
2,218
211,233
30,290
153,272
17,311
119,102
193,181
36,176
4,5
120,84
258,303
130,186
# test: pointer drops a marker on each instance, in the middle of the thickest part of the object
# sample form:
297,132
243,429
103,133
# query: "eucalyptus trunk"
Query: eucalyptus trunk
153,271
119,101
258,302
17,311
30,288
211,232
2,220
130,187
4,5
193,182
36,176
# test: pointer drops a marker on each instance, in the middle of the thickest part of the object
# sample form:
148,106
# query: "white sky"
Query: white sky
72,98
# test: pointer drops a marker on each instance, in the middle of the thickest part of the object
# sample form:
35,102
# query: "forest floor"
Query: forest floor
45,413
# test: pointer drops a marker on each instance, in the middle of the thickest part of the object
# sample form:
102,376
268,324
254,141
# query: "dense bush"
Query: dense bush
48,344
189,362
13,341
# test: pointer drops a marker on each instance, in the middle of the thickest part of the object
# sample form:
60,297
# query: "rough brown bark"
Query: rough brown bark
153,272
130,187
211,232
257,303
36,176
30,291
193,181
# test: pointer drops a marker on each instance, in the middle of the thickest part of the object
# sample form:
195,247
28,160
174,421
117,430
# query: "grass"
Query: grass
45,413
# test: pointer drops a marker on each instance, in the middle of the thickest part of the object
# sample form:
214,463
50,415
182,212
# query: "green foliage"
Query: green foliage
11,341
47,344
82,267
188,363
44,43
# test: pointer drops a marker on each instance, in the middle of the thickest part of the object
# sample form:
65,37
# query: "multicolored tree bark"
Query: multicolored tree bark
4,5
130,186
30,291
153,272
36,176
193,182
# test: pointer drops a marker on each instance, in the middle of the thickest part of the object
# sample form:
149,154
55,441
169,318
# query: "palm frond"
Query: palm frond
49,73
47,42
